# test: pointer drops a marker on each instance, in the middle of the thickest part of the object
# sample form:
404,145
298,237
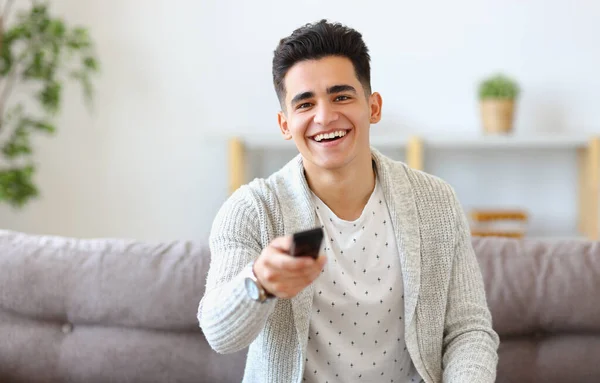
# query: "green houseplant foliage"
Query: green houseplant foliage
41,53
498,87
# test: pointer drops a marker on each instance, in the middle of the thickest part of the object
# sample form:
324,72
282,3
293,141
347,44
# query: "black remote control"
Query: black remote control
307,243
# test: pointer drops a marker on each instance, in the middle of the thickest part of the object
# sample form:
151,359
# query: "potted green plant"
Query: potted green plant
497,96
39,55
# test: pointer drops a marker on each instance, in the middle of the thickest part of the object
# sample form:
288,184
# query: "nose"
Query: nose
325,114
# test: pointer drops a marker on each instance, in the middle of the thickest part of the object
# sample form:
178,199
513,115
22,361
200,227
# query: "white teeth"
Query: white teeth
339,133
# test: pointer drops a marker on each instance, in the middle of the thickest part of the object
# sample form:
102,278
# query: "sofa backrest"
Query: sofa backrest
118,310
105,311
545,302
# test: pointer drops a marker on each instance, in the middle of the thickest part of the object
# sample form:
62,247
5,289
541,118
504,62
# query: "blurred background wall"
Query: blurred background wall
179,77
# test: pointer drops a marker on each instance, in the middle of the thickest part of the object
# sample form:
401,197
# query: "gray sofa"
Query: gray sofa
111,310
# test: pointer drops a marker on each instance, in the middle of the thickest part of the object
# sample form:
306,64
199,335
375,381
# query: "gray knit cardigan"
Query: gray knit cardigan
449,331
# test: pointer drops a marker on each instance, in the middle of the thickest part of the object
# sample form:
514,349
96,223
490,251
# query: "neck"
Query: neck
345,191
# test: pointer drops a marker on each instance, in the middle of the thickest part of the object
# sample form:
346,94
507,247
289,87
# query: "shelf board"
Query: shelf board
458,141
266,141
507,142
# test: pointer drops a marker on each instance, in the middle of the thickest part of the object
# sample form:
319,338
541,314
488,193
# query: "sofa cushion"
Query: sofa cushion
538,287
102,310
549,359
108,282
33,351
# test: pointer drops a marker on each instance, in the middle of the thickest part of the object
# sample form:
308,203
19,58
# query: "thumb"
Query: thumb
282,243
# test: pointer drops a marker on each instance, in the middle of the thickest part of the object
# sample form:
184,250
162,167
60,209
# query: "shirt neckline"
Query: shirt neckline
369,206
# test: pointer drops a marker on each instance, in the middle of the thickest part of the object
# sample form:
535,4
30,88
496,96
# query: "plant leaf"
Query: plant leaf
18,144
17,186
49,96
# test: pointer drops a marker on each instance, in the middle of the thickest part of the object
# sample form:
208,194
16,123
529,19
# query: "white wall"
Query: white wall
146,164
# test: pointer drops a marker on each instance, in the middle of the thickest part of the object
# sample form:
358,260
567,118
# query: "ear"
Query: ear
375,103
283,125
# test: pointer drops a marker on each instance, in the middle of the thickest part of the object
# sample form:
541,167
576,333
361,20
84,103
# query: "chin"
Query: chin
330,159
335,162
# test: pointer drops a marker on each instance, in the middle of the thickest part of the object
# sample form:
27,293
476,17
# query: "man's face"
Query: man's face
324,98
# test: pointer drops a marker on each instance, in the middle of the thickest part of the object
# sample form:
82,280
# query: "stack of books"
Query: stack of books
498,222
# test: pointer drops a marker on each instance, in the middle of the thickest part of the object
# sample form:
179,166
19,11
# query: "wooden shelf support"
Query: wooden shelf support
237,164
589,189
415,153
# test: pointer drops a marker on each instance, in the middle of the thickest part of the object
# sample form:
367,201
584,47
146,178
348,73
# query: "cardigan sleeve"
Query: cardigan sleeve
470,343
229,318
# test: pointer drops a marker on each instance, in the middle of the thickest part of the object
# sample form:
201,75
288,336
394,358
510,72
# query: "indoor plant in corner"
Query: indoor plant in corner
39,54
497,96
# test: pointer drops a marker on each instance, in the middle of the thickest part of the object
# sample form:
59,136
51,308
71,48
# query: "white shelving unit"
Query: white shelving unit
415,146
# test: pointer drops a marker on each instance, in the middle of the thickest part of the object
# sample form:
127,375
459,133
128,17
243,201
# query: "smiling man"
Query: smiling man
395,296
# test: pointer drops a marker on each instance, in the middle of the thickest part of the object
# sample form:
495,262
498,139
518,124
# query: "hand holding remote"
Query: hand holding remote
283,275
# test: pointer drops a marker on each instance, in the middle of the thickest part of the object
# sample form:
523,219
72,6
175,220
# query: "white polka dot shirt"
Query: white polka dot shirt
357,327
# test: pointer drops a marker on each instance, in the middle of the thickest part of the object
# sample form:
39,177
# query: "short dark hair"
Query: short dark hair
319,40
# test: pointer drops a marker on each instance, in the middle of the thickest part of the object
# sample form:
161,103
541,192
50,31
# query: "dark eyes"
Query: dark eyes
308,104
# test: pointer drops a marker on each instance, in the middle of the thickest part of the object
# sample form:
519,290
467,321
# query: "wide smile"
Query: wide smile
331,138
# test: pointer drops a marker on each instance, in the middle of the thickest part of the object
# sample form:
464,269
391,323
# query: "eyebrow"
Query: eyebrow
331,90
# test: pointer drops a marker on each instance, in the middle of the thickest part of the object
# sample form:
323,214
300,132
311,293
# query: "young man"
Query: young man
396,296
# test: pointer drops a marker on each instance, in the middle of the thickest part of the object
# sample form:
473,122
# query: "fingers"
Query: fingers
285,262
290,287
304,276
322,261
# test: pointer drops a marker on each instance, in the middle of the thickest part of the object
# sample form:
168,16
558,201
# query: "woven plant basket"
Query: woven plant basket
497,116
